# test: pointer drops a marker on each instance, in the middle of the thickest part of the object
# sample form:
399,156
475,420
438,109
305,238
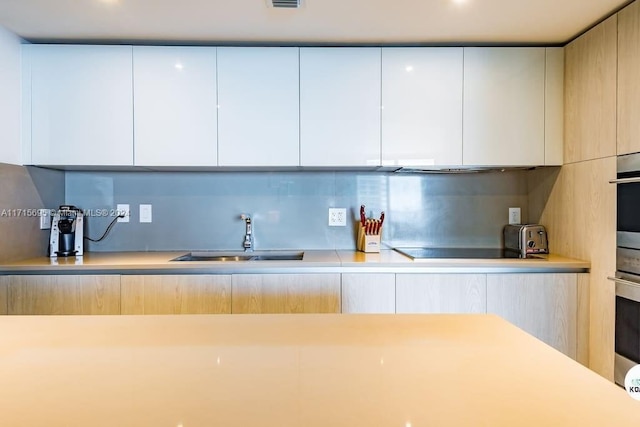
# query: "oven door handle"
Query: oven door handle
627,289
624,282
625,180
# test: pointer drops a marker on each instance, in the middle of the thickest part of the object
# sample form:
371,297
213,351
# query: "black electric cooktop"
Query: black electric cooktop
475,253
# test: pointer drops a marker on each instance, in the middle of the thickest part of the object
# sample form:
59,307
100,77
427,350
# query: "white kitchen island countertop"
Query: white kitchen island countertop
294,370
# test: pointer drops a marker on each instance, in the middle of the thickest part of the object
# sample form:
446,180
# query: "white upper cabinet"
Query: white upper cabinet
258,97
81,104
175,106
504,106
10,88
422,106
340,106
288,106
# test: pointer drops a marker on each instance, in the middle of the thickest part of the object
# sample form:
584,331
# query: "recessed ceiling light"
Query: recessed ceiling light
110,1
459,2
409,68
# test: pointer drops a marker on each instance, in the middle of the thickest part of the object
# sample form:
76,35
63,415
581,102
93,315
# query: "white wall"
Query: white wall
10,146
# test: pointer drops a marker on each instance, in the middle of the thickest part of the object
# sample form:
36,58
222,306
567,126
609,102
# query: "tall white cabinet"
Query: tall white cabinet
422,106
258,96
340,106
504,106
81,101
175,106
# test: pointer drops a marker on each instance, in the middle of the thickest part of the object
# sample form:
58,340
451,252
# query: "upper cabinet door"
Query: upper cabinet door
421,106
628,72
590,94
258,97
504,106
175,106
340,106
81,105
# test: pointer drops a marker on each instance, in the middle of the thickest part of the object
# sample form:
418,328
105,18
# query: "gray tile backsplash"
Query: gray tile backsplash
201,210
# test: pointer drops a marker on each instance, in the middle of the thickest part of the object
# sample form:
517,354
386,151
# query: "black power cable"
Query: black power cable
109,227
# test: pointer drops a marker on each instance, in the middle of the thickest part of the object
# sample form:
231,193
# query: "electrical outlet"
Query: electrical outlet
514,216
337,217
123,209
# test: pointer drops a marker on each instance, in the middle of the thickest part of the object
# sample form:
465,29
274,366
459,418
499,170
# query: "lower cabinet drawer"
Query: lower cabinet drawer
285,293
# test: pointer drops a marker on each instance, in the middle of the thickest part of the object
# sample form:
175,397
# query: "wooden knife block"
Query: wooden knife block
368,243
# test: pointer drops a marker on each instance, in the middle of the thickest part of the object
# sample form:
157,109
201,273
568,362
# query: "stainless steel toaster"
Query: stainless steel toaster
526,239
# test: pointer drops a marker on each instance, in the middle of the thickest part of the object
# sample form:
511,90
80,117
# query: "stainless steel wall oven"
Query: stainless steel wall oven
627,280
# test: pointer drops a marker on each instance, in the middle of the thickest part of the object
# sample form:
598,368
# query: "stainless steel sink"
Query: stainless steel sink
199,256
243,256
279,257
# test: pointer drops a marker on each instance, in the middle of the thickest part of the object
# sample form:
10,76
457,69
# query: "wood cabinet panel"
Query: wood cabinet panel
441,293
590,94
63,294
368,293
545,305
581,198
285,293
176,294
582,319
628,82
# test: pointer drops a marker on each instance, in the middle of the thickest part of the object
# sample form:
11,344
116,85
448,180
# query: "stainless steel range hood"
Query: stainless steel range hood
458,169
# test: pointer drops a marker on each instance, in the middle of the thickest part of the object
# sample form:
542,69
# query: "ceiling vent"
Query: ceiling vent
288,4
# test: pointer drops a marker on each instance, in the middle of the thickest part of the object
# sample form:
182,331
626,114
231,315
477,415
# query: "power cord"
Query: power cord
106,232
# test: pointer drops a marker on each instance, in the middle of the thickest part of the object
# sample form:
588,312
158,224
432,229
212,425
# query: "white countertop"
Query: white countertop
314,261
293,370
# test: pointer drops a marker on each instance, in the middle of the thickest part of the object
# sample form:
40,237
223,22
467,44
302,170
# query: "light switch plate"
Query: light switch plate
145,213
514,216
123,209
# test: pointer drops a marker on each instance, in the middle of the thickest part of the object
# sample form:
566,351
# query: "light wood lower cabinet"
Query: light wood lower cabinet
176,294
441,293
552,307
545,305
62,294
285,293
369,293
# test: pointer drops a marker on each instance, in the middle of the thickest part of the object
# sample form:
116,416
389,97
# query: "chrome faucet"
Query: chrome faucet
248,237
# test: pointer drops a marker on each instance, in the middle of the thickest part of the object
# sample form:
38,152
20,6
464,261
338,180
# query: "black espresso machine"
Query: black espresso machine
66,232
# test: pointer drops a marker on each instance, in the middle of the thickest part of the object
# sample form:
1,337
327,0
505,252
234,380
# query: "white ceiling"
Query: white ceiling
317,21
